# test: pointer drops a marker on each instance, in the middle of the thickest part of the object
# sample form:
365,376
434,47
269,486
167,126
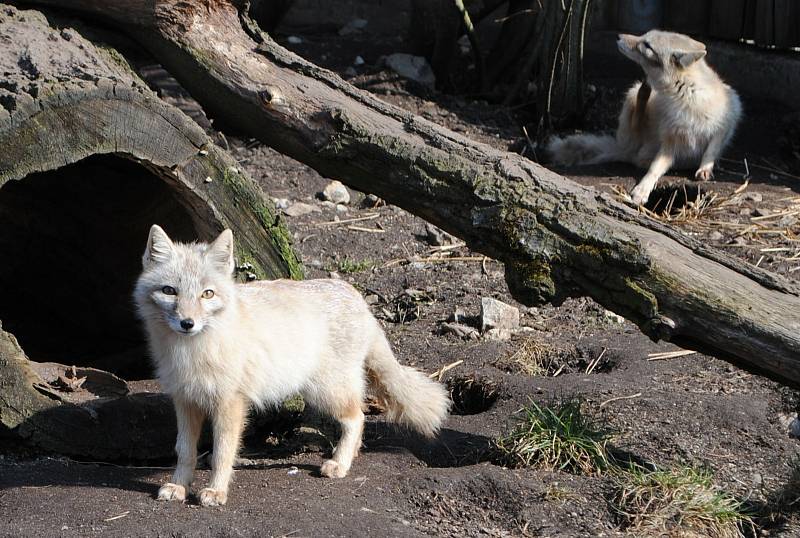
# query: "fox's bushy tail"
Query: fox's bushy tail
410,397
583,149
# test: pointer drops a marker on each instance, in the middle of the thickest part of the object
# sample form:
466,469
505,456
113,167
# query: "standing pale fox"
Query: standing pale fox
220,347
683,115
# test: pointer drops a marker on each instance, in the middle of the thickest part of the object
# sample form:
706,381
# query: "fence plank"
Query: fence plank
787,23
726,18
765,22
688,16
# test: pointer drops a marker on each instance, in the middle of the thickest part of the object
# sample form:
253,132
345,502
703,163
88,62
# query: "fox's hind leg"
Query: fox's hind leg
190,421
351,420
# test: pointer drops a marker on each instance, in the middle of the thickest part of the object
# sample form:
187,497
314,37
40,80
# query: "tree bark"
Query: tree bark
556,238
63,100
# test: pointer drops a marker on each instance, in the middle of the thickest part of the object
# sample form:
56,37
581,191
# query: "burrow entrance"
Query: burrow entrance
71,242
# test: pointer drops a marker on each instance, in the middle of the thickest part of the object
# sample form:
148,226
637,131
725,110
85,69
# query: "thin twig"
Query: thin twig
348,221
438,373
620,398
669,354
368,230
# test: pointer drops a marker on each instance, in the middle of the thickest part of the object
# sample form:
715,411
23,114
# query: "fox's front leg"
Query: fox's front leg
660,165
190,421
706,170
228,418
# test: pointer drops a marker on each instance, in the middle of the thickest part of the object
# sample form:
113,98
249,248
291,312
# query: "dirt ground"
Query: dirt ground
693,410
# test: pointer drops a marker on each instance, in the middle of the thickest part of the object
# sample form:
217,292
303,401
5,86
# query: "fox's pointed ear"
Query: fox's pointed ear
159,247
221,251
685,59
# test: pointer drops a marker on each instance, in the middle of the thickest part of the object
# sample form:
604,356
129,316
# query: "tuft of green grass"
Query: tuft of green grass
558,437
348,266
679,502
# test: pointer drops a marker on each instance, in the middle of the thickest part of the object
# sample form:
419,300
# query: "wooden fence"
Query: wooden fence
774,23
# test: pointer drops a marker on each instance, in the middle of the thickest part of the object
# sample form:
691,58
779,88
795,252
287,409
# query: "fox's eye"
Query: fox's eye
168,290
208,294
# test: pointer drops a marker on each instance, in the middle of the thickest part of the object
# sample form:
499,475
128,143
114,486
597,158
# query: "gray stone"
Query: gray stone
499,335
298,209
336,192
460,330
281,203
294,40
716,236
437,237
498,315
415,68
612,317
355,26
794,428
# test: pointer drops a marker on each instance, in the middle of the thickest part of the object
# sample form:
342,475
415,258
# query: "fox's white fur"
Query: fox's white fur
259,343
684,116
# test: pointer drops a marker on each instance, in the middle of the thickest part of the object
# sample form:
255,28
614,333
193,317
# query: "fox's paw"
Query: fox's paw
639,195
704,173
332,469
213,497
171,492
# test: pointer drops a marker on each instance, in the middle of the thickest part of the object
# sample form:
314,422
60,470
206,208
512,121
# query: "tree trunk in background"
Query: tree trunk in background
556,238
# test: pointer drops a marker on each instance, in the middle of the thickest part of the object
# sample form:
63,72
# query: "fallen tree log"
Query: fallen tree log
557,239
91,158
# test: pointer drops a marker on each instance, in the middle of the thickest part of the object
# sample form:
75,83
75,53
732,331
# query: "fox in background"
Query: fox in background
220,347
682,115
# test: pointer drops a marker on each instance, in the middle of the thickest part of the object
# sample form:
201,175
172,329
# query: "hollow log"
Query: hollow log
91,158
556,238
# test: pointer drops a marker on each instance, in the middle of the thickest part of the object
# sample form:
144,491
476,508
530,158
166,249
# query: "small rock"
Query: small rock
372,299
498,315
418,266
298,209
758,212
460,330
336,192
415,68
753,197
327,204
738,240
370,201
499,335
350,72
316,264
746,211
358,61
208,179
437,237
612,317
716,236
341,208
794,428
356,26
294,40
293,471
334,274
457,316
281,203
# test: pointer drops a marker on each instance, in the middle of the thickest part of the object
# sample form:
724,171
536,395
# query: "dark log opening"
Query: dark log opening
71,255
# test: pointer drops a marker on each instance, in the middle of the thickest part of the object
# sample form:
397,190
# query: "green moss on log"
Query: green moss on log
244,192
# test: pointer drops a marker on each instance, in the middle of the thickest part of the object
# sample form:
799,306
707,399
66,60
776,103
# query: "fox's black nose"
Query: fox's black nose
187,324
